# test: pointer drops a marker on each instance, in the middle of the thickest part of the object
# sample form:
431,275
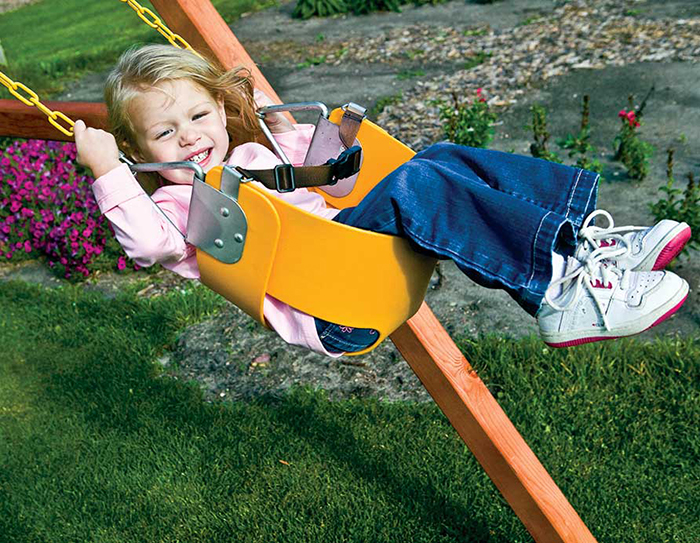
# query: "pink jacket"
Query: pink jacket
148,237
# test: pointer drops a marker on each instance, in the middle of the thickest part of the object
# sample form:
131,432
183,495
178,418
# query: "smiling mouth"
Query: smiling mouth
200,157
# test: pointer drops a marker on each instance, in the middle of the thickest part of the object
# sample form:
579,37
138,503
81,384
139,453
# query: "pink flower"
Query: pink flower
121,263
632,119
630,116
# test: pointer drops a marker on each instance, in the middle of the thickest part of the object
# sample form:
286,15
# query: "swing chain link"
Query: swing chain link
32,99
155,22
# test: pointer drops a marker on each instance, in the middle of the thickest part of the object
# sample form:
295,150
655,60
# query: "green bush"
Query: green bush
362,7
305,9
469,123
541,135
682,205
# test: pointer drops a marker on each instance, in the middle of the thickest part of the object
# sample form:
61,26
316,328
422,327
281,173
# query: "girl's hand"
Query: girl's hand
277,122
97,149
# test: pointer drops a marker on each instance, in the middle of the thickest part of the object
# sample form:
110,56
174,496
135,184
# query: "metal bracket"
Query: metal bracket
296,106
217,224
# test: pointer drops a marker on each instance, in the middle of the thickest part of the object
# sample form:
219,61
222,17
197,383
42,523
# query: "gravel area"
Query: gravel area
578,35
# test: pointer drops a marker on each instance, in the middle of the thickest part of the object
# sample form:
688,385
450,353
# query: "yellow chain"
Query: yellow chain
155,22
31,99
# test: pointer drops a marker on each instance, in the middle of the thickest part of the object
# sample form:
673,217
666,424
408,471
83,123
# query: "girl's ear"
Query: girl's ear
221,109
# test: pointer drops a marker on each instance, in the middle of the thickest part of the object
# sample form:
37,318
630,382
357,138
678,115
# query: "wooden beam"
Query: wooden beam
426,346
21,121
203,28
487,431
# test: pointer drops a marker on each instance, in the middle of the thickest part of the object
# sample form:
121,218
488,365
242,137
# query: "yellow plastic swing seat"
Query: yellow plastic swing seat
338,273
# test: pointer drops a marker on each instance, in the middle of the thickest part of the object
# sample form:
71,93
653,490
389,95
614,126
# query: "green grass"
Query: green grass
55,41
97,444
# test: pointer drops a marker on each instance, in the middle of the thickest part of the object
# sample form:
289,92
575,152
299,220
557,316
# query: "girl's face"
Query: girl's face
179,120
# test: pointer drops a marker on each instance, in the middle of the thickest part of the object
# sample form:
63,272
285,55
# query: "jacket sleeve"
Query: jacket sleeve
147,234
295,143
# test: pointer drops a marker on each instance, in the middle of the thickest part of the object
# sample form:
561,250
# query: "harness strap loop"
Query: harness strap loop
286,178
353,115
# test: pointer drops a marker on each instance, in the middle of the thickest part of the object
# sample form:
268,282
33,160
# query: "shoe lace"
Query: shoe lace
593,235
594,266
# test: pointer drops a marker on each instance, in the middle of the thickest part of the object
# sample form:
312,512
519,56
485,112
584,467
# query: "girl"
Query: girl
510,222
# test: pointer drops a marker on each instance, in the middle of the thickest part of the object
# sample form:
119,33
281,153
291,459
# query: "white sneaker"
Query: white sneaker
646,248
599,301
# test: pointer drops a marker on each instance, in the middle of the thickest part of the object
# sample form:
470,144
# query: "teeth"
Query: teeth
201,156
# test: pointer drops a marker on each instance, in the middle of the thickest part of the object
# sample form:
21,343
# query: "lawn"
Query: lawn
99,443
55,41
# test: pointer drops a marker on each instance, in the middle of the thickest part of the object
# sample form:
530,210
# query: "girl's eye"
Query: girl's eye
163,134
200,115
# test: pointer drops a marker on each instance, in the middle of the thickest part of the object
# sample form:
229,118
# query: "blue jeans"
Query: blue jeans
498,216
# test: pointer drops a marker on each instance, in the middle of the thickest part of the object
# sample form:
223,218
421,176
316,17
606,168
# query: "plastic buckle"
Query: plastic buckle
347,164
284,178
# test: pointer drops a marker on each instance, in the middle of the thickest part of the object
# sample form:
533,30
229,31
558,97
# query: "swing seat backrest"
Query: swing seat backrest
341,274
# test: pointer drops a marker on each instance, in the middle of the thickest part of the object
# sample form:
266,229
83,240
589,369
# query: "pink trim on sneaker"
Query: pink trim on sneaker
672,249
581,341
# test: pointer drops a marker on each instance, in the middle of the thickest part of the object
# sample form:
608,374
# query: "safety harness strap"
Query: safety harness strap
286,178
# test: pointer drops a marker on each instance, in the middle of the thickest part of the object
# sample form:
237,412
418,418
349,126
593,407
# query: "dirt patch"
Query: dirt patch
9,5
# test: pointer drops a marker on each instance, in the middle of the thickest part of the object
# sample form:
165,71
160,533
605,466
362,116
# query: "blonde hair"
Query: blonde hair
140,69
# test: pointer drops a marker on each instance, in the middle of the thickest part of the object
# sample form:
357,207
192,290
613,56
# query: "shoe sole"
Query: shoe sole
671,250
675,241
591,339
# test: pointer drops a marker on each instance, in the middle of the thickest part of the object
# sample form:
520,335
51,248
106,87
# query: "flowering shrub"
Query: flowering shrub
48,209
469,123
629,148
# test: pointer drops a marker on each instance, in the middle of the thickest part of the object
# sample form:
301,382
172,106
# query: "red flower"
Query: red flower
630,116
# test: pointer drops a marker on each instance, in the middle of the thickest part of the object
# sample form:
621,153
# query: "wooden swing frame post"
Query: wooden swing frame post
423,342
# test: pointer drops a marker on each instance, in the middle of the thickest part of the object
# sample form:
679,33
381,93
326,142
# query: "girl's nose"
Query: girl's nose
189,136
